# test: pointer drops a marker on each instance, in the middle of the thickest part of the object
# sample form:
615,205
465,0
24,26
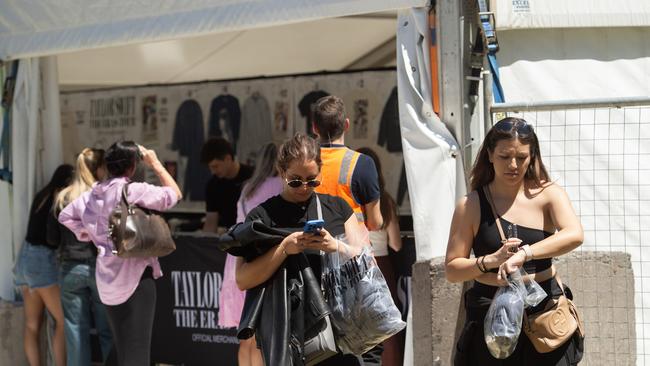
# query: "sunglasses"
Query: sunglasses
518,126
297,183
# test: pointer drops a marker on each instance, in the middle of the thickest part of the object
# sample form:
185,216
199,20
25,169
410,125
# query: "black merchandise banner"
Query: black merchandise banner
186,329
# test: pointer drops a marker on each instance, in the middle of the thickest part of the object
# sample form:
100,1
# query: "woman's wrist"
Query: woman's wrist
157,167
490,262
283,246
528,251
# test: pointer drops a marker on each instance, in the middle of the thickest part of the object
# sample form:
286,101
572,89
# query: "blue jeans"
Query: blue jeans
80,301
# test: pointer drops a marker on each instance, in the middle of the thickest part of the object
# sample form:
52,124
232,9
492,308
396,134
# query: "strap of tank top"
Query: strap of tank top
488,196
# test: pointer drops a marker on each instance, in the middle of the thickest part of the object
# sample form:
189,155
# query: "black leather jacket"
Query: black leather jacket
285,310
70,249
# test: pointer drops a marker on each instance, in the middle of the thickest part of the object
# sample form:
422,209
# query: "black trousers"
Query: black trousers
132,324
472,350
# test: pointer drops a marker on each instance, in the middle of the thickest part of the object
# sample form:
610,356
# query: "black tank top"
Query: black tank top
488,240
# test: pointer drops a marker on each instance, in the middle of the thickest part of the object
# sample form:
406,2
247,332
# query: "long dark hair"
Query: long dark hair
506,129
121,157
60,179
265,167
387,204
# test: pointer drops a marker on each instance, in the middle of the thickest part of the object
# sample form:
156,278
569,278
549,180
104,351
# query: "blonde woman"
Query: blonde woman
79,295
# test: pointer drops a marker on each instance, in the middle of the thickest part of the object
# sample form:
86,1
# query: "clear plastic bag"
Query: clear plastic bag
363,311
503,320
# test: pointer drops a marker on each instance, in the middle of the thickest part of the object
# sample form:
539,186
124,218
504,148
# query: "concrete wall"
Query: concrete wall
12,323
11,334
603,288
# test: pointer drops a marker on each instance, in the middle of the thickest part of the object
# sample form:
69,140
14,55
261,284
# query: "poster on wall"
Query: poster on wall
176,120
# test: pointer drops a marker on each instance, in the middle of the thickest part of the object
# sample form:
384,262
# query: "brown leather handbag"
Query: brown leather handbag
137,232
551,328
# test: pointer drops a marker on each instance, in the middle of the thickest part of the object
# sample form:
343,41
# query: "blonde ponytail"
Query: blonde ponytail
88,163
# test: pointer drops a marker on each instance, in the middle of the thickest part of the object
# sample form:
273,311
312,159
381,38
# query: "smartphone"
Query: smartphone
313,226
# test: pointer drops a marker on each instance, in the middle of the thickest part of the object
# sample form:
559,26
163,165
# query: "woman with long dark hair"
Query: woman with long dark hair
36,272
543,225
126,286
79,295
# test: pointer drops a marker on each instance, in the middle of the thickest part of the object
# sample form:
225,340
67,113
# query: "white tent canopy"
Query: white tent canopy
38,28
328,44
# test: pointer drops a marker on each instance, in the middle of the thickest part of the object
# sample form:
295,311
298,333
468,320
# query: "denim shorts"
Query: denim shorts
36,266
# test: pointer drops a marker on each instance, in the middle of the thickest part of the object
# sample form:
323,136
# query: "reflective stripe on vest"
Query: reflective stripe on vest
336,175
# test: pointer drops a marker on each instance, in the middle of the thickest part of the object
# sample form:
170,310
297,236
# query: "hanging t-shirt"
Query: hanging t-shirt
224,119
187,139
221,195
256,128
305,107
389,131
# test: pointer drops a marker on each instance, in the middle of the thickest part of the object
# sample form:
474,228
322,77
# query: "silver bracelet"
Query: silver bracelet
528,251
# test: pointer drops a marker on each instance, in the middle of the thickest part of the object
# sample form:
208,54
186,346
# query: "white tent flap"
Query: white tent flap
36,138
429,148
35,28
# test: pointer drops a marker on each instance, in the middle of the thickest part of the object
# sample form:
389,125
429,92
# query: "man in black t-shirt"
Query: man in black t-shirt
224,188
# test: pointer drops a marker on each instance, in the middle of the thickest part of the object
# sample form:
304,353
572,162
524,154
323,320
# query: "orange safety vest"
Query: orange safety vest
336,175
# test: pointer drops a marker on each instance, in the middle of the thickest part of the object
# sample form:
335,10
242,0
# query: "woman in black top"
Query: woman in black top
538,218
299,165
79,295
36,272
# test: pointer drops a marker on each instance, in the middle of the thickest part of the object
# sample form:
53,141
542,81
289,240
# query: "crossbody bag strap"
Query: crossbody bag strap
559,282
319,209
488,196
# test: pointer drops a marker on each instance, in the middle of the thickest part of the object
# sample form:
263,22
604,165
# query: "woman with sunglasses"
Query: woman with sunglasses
263,184
299,165
510,174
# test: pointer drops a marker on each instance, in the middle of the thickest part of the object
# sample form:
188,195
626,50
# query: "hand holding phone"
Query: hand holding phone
313,226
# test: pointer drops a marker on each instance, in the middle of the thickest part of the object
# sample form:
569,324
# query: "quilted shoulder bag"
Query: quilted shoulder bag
138,232
551,328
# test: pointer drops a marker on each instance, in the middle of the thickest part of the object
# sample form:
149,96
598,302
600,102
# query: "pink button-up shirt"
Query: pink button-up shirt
87,216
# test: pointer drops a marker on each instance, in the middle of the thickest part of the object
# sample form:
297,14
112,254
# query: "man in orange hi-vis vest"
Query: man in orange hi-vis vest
345,173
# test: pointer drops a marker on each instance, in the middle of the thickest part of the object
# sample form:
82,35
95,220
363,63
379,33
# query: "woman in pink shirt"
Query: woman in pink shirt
126,286
264,184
